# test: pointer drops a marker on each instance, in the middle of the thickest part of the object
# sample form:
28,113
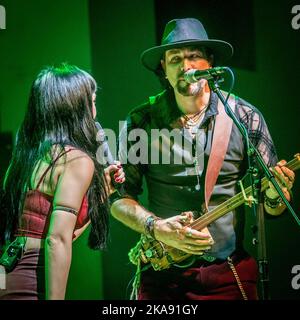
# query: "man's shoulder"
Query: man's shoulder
142,113
140,110
249,114
246,105
139,115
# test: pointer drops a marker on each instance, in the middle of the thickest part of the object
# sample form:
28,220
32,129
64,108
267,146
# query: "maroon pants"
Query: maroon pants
27,280
201,281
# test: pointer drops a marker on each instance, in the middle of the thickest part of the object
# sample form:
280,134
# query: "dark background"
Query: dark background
106,39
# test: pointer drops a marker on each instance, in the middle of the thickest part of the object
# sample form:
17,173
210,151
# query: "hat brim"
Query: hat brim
221,50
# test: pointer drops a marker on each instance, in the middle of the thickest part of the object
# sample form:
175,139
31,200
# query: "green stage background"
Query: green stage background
106,38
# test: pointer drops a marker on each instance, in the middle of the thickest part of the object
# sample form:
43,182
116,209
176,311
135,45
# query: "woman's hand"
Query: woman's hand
176,233
114,174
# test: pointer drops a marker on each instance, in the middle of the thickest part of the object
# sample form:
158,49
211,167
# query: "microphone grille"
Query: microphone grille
98,126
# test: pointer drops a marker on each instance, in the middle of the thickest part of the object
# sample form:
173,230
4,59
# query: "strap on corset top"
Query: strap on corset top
49,167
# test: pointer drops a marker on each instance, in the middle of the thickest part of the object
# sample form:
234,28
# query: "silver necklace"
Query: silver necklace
194,119
192,124
197,172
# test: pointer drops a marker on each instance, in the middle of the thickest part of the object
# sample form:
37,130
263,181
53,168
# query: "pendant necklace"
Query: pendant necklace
192,124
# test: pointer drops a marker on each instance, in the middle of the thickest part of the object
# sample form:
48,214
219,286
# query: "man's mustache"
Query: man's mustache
181,75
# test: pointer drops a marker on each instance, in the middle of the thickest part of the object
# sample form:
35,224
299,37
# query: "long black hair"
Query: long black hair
59,113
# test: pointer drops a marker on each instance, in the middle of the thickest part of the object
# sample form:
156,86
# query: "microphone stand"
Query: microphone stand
255,157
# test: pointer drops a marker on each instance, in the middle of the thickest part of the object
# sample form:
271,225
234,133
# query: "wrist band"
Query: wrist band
114,197
149,226
67,209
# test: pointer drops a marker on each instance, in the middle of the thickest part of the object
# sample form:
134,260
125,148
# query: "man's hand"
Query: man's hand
285,177
176,233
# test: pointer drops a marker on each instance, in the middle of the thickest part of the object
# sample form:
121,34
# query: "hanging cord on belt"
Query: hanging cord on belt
237,278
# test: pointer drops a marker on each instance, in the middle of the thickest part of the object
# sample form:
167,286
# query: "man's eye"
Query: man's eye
175,59
195,56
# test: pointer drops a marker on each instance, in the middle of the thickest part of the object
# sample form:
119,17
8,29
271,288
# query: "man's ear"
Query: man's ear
163,65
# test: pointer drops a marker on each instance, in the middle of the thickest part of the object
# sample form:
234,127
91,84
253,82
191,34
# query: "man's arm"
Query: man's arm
260,136
131,213
171,231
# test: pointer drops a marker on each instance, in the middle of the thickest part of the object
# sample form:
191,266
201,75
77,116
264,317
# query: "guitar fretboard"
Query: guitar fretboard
237,200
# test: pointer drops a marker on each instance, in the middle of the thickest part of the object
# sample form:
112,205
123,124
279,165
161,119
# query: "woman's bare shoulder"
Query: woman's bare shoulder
74,162
69,154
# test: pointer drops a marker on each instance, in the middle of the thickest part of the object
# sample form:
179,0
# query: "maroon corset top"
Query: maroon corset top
38,207
37,212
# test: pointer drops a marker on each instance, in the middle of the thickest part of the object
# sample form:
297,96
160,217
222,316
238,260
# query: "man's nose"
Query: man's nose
186,65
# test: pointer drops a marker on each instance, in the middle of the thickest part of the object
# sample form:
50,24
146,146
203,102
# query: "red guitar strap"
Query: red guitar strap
221,135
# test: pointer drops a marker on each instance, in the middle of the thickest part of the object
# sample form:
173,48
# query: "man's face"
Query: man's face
178,61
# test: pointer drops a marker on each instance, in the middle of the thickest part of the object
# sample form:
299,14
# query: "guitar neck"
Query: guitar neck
236,200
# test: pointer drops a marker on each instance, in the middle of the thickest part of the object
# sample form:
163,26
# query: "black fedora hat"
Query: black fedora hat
181,33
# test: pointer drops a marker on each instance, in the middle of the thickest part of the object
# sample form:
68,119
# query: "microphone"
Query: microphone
107,155
194,75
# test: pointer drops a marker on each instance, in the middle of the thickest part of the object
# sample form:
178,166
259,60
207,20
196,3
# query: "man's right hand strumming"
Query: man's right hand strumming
176,233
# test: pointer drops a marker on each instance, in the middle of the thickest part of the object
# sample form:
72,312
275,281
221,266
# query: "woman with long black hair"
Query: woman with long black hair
54,187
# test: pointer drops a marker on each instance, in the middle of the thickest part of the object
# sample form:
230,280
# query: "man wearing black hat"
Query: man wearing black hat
211,263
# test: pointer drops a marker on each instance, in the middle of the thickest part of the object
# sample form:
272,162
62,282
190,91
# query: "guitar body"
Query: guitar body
161,256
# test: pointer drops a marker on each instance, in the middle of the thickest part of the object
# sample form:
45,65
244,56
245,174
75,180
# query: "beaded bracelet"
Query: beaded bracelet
149,226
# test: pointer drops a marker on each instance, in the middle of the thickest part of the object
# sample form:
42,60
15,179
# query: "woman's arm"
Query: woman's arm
72,185
119,177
